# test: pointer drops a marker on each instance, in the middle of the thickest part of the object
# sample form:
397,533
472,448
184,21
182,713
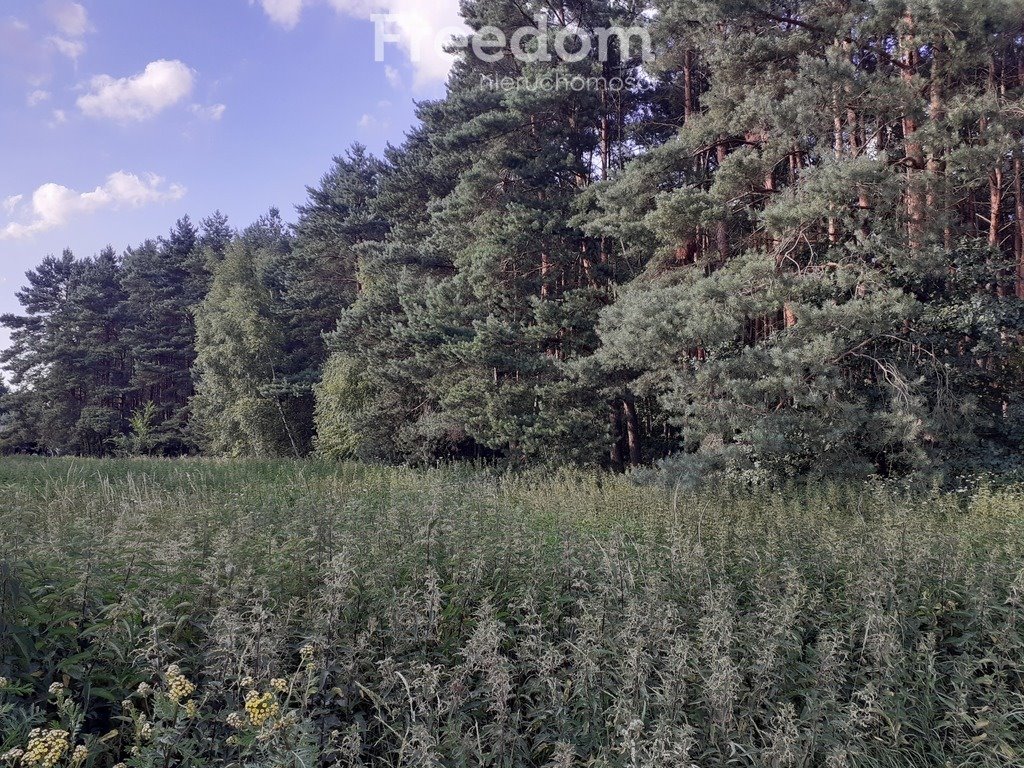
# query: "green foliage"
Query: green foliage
241,406
341,396
389,617
791,247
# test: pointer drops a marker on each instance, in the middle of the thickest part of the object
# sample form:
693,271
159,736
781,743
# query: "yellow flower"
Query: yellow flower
261,708
279,684
4,683
79,755
191,710
236,721
179,687
13,756
46,748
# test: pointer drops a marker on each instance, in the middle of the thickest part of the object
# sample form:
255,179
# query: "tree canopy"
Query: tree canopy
791,245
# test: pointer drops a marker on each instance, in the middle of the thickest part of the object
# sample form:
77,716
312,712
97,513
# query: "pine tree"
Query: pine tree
496,289
68,357
819,294
165,281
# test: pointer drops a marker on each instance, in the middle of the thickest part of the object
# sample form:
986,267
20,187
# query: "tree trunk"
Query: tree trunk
722,231
1018,191
632,432
615,419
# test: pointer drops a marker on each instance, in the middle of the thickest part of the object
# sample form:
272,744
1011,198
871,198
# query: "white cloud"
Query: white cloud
213,112
53,205
38,97
70,18
370,123
422,27
72,49
393,76
12,202
163,84
284,12
59,117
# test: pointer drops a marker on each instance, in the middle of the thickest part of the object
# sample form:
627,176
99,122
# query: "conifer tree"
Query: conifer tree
165,280
828,240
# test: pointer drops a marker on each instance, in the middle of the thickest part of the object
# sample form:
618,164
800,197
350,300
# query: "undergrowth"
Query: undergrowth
296,614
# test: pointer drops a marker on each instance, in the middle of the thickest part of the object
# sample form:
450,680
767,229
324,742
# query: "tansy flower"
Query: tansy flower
279,684
79,755
4,683
13,756
46,748
260,708
179,687
236,721
56,689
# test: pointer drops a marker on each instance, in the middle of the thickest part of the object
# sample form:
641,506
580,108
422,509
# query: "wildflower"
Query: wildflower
127,705
79,755
308,654
191,710
13,756
179,686
279,684
4,683
120,765
247,682
56,689
144,689
236,721
260,708
46,748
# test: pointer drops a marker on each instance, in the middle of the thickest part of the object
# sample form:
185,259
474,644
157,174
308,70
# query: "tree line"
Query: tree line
794,246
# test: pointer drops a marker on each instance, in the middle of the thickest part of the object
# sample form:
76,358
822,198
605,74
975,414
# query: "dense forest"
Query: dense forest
793,246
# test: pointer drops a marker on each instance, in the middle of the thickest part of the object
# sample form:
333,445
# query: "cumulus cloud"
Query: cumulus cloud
12,202
284,12
163,84
420,28
38,97
71,19
370,123
72,23
53,205
213,112
72,49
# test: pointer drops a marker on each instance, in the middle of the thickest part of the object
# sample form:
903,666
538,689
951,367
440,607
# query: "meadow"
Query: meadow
217,613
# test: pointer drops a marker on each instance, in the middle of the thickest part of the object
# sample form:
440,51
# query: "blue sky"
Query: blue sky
119,116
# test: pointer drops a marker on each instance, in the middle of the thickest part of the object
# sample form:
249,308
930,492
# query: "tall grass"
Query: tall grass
357,616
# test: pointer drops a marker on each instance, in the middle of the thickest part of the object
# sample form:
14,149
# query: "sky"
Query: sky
117,117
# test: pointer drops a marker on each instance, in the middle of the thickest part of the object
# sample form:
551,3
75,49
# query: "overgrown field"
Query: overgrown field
294,614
